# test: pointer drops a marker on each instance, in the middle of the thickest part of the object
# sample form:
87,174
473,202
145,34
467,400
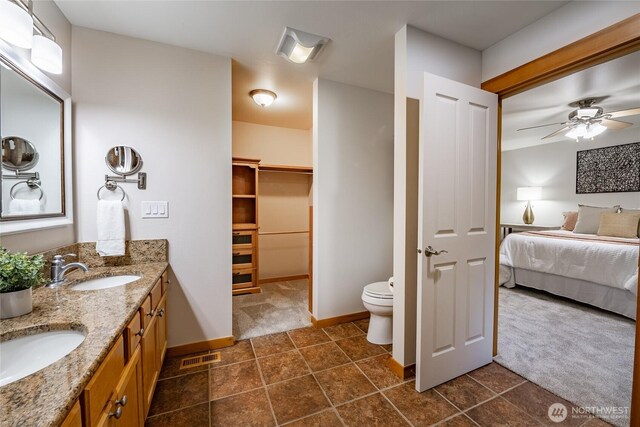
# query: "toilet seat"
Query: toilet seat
378,290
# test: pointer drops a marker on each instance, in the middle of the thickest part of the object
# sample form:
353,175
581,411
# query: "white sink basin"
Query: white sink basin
105,282
26,355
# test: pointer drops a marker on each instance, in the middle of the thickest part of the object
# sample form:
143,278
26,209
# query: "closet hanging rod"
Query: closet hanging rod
269,233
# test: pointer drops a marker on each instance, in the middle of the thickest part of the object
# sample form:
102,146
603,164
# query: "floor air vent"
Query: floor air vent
204,359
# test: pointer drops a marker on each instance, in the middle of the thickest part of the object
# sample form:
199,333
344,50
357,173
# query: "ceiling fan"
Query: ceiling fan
589,120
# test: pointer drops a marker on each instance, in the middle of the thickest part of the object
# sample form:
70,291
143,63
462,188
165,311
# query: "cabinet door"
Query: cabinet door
74,418
129,395
150,369
161,314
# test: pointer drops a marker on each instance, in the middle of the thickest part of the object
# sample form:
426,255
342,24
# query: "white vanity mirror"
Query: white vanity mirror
35,135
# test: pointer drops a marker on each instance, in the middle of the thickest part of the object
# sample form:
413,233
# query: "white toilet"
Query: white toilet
378,300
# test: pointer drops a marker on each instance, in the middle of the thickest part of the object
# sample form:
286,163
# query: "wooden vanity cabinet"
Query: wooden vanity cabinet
154,341
131,369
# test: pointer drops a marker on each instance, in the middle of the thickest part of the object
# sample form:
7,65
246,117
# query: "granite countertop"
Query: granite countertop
45,397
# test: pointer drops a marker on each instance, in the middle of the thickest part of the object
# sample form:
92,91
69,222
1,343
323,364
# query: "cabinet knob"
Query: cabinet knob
151,313
161,312
117,413
122,401
140,332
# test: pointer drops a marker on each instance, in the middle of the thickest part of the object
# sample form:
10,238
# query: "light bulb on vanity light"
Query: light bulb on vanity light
16,25
46,54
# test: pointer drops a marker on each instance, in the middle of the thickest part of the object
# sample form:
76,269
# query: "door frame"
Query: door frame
609,43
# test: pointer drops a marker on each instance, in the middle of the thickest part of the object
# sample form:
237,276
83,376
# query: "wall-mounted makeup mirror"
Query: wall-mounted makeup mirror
18,154
35,133
123,160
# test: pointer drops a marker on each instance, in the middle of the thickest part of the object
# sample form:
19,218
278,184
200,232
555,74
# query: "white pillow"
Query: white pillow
589,218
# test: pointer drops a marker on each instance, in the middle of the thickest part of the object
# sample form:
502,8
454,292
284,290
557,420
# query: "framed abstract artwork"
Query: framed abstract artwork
608,170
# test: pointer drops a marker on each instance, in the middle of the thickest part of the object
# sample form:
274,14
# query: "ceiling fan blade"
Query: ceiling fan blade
623,113
541,126
559,131
615,124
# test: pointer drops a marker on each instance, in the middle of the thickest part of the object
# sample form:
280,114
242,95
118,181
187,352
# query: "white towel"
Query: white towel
110,228
24,207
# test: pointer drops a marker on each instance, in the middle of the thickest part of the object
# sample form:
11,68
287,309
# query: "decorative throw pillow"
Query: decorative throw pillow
619,224
570,219
589,218
625,210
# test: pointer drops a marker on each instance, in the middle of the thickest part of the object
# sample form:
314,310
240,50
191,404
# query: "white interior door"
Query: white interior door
457,211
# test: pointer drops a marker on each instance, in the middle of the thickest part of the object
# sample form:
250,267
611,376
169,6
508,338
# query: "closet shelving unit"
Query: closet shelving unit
245,226
245,234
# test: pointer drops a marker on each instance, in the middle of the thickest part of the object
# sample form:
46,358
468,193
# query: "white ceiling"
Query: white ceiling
619,79
361,33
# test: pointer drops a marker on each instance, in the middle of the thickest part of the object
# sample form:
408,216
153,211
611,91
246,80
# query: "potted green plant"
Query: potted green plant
18,274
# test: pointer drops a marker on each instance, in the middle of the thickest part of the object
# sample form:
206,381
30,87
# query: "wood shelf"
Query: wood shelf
245,226
244,196
286,168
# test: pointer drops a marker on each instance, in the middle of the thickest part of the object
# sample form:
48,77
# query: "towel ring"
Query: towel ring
31,183
111,186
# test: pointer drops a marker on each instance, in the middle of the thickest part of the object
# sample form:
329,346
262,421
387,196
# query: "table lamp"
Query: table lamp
528,194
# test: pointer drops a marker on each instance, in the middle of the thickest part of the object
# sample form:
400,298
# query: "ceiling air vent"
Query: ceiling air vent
300,47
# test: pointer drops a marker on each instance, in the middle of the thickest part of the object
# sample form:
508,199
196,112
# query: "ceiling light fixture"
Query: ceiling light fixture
263,97
17,24
300,47
586,130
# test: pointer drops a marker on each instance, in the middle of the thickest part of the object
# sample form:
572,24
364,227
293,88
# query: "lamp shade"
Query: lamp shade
46,54
529,193
16,25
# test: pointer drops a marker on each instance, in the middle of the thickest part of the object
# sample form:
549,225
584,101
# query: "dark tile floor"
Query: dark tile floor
334,377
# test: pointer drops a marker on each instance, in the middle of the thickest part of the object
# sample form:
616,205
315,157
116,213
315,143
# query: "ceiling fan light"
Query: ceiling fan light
593,130
576,132
587,112
46,54
263,97
16,25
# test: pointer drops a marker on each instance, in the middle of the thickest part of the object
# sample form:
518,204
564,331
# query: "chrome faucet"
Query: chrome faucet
59,269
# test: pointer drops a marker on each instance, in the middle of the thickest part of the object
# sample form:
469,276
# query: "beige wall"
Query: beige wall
173,105
283,197
272,145
38,241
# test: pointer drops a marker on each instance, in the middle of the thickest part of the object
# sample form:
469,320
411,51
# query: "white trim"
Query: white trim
20,226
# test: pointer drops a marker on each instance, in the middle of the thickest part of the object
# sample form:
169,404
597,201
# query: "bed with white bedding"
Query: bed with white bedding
597,270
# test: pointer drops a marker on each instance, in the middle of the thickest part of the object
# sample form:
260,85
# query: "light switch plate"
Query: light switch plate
155,209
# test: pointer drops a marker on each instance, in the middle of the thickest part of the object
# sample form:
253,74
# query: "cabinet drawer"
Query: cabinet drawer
145,312
243,258
244,278
156,295
133,334
165,281
244,239
96,396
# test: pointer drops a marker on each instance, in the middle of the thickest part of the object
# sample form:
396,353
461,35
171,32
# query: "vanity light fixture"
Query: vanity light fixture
17,24
300,47
263,97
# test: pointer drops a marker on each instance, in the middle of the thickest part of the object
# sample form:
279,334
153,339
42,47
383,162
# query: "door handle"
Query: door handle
428,251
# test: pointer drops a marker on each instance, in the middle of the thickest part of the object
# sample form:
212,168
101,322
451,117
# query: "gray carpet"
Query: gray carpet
280,307
582,354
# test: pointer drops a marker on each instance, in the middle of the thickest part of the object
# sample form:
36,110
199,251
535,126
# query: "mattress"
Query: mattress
606,261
